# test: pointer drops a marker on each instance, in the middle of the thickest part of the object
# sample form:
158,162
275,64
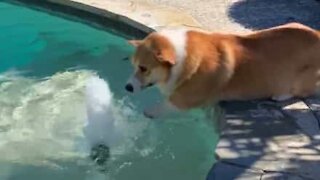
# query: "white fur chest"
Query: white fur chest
178,38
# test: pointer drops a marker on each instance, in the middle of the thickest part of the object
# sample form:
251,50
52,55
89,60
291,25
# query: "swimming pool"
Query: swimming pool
45,64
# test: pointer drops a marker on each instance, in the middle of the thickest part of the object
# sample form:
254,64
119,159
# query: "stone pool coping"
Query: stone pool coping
261,139
142,15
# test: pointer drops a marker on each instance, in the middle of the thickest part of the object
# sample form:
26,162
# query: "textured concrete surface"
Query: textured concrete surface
261,139
264,136
142,14
243,15
225,170
211,14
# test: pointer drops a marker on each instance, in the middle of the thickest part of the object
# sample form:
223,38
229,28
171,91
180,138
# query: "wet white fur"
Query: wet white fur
178,38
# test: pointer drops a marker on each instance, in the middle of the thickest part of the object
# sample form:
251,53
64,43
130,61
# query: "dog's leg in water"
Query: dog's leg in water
159,110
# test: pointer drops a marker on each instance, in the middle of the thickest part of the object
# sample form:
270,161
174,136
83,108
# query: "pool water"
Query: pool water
46,62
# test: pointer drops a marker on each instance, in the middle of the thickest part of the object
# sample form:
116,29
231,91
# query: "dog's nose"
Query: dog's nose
129,88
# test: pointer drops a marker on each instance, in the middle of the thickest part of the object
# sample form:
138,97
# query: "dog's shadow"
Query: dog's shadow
260,14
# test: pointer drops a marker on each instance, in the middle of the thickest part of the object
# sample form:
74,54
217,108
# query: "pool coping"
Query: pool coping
99,18
141,15
133,19
241,155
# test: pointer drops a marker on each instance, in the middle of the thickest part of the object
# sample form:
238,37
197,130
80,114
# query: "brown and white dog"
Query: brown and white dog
194,68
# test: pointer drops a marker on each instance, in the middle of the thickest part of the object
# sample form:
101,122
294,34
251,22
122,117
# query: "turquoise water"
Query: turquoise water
45,62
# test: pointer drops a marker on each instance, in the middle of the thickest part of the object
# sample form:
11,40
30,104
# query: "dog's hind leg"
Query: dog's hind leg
306,83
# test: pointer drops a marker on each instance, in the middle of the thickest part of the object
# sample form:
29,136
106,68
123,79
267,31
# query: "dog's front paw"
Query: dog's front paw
152,112
159,110
148,114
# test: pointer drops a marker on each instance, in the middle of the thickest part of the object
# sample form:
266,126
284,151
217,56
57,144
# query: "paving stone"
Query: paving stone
314,104
303,116
270,140
222,171
281,176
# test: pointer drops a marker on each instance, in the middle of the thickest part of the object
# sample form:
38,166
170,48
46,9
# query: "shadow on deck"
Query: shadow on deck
260,14
262,140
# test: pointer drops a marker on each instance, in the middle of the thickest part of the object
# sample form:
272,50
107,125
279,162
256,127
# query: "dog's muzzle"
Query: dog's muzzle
134,85
129,88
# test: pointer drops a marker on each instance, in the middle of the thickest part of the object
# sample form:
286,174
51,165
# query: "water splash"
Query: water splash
40,119
100,128
49,125
112,123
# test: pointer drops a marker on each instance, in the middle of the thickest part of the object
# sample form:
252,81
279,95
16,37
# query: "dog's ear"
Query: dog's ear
135,43
165,55
162,50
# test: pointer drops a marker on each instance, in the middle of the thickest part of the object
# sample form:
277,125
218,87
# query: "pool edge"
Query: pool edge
93,16
104,13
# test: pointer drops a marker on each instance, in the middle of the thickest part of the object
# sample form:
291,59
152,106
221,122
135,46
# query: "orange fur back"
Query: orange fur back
274,62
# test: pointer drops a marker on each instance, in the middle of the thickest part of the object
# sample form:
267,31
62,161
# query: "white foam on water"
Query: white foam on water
109,121
100,124
57,116
49,125
40,119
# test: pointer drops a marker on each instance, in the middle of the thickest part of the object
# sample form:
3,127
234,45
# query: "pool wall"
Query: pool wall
259,141
100,18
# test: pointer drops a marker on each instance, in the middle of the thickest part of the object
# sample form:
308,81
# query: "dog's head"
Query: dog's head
153,58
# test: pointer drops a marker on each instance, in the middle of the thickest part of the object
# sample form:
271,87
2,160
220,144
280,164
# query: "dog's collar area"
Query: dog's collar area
150,84
126,58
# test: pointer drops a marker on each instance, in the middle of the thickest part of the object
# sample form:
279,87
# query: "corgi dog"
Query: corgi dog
195,68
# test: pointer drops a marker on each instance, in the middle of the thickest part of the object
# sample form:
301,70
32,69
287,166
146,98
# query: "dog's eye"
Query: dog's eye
142,69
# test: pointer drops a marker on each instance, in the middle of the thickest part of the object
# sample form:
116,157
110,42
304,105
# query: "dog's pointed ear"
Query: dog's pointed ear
166,55
135,43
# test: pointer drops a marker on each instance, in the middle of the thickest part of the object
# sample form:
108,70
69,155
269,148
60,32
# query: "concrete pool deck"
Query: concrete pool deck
261,139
